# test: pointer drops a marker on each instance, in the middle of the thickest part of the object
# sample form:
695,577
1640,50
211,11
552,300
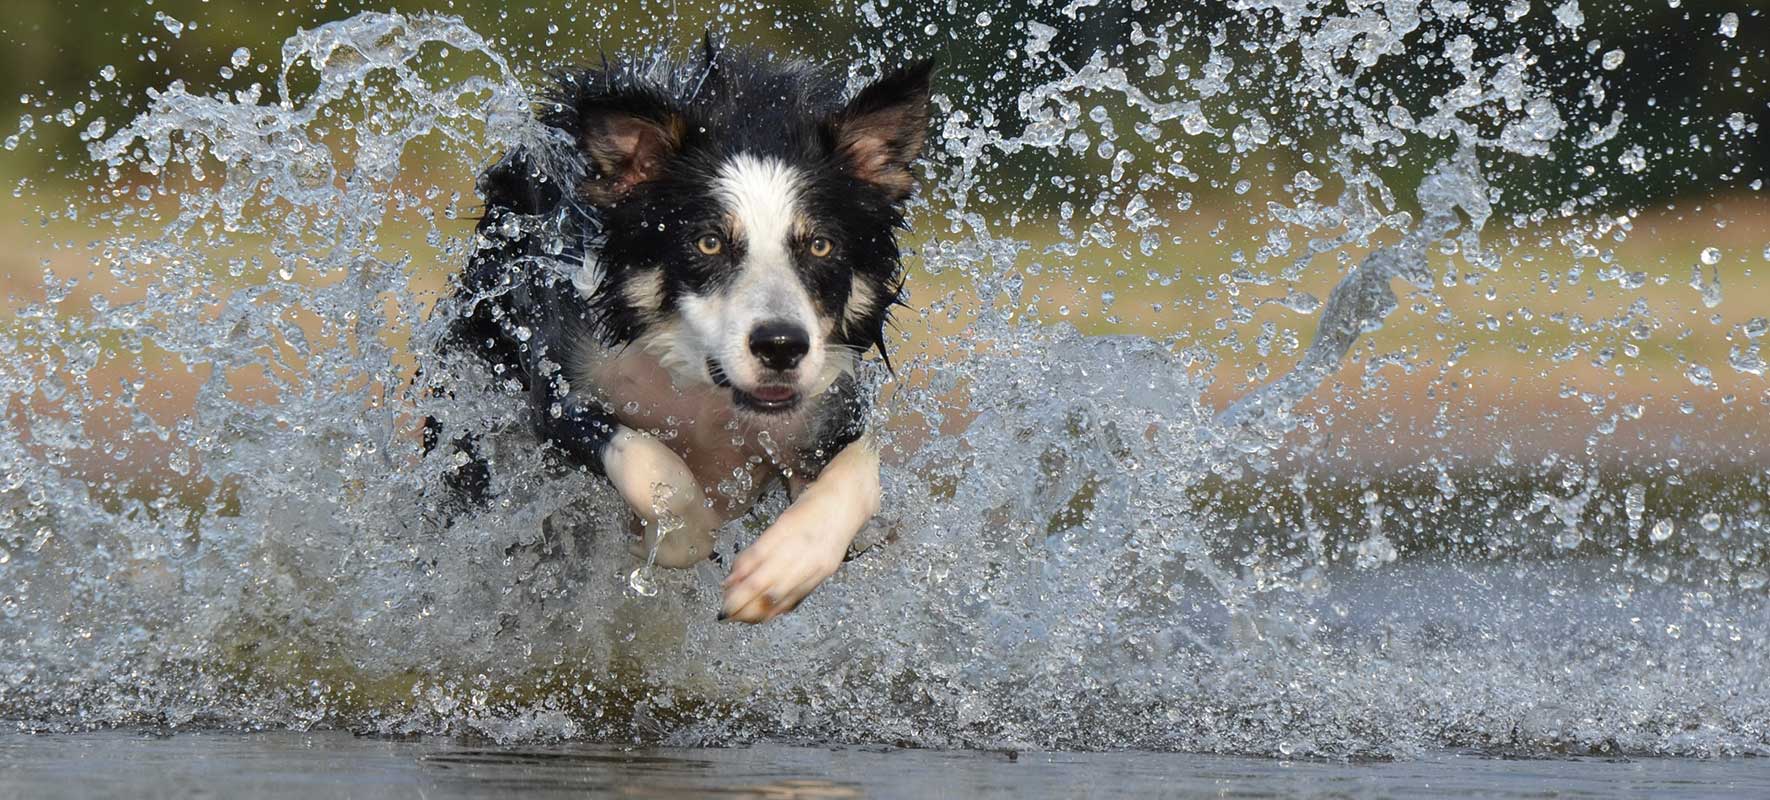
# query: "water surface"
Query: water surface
335,764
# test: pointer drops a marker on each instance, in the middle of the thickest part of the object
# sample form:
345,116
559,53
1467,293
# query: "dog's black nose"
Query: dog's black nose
779,345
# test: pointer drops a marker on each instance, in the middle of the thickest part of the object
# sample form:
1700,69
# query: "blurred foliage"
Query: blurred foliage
1678,86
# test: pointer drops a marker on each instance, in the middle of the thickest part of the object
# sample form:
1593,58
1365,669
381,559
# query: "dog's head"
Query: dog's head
748,215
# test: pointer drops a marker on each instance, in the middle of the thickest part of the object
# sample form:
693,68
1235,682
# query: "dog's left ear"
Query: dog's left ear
881,132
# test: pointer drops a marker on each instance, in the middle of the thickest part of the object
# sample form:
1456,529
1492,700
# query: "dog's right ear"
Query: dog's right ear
627,139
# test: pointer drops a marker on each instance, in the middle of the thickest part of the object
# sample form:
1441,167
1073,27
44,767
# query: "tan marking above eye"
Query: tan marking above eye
821,246
710,244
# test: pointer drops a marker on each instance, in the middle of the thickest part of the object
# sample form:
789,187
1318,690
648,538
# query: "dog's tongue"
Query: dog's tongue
773,394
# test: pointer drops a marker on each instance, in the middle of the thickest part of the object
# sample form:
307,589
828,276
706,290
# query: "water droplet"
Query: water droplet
1711,256
1729,25
1747,359
1635,502
1709,288
1613,59
1375,551
640,581
1569,15
1711,522
240,58
1662,530
1301,302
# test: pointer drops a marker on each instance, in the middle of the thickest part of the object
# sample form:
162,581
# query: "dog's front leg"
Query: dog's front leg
807,543
650,477
663,492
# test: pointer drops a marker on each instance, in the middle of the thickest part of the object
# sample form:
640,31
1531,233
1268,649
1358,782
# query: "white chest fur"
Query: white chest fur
733,455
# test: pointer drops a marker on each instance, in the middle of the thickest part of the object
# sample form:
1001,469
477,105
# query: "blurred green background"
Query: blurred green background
1679,79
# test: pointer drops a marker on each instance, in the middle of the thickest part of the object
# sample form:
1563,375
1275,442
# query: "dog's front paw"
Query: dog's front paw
787,562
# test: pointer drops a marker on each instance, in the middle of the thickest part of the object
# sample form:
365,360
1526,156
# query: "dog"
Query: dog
683,288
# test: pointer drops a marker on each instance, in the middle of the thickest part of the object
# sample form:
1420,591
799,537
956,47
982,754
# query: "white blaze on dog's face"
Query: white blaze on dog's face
758,326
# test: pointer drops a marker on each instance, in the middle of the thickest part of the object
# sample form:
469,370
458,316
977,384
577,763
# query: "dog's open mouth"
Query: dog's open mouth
765,399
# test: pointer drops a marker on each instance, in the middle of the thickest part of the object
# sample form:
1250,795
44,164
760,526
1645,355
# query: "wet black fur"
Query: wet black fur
517,309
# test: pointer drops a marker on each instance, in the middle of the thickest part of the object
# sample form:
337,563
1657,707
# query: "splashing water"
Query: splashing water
668,522
214,509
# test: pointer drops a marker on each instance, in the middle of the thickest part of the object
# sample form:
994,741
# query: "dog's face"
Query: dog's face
749,233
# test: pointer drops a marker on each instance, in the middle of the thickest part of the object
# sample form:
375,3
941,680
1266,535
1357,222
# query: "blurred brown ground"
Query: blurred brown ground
1526,384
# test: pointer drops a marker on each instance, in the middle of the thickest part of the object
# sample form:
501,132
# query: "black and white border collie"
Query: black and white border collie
684,289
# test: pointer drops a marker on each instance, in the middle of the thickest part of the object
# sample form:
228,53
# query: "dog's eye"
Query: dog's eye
710,244
822,246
